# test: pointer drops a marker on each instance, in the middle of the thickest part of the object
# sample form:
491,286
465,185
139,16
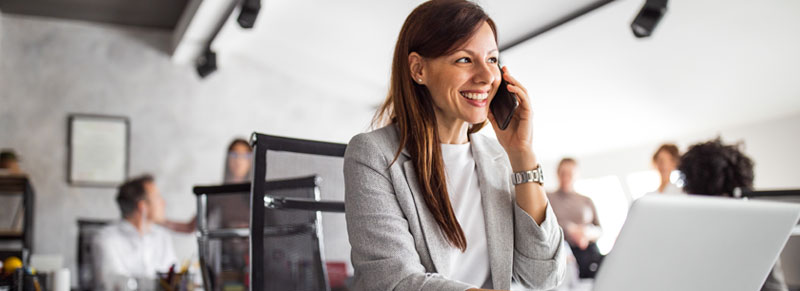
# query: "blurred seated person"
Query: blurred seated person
578,218
666,161
136,246
9,163
715,169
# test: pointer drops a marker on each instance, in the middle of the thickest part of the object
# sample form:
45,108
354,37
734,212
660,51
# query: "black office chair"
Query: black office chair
286,233
223,230
87,230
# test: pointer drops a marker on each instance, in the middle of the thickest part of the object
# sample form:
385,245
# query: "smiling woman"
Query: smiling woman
430,204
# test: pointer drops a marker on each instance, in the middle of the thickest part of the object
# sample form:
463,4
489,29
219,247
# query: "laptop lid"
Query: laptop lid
697,243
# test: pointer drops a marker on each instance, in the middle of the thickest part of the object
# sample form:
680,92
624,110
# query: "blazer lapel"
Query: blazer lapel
438,247
497,210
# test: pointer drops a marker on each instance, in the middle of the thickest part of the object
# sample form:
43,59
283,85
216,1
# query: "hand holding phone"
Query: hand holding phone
504,104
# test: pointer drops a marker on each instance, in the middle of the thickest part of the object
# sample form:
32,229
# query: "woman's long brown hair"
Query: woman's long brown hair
434,29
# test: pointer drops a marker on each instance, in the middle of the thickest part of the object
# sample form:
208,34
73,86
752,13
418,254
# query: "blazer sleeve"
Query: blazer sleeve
539,255
383,253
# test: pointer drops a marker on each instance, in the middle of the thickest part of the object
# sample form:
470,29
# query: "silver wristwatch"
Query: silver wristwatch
534,175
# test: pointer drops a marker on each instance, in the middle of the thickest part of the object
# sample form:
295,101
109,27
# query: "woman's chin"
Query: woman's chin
476,119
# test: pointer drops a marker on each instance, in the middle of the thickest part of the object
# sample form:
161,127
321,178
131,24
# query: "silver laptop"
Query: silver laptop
697,243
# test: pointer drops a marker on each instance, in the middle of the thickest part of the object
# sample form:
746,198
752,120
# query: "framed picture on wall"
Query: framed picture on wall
98,148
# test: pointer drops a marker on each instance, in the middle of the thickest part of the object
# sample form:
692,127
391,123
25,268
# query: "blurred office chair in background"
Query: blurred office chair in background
286,233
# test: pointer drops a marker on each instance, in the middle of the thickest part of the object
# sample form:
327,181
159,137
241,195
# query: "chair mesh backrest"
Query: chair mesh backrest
292,259
230,210
330,169
296,262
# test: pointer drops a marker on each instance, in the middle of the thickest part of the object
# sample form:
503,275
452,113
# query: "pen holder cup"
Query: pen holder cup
177,282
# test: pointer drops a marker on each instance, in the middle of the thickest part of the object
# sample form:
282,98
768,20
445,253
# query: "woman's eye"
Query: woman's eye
493,60
463,60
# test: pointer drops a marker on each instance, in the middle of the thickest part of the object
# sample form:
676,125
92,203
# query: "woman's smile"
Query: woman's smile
475,98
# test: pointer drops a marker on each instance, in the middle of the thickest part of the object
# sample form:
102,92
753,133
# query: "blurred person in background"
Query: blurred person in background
9,163
577,215
136,246
238,166
229,257
715,169
233,211
666,160
238,162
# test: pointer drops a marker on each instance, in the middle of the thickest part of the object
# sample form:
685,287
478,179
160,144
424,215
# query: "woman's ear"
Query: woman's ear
417,65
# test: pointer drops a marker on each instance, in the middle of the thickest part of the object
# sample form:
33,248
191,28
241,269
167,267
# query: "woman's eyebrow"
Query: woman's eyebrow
472,52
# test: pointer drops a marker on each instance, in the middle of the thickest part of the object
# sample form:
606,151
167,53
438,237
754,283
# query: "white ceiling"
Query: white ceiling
709,64
351,42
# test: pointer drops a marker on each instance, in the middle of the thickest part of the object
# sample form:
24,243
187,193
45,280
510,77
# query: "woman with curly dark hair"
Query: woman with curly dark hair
716,169
713,168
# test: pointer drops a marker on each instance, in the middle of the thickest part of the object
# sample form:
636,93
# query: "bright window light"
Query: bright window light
611,203
643,182
675,178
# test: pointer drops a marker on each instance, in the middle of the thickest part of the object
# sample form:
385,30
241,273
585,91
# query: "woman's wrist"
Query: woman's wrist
523,160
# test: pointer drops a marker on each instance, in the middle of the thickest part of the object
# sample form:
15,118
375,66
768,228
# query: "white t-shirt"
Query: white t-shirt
472,266
120,252
670,189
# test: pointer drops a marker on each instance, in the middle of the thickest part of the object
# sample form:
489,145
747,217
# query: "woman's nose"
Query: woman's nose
485,73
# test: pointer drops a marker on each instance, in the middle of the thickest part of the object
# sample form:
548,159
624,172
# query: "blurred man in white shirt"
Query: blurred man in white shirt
136,246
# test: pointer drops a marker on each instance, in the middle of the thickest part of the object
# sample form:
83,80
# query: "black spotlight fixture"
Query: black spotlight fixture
206,63
248,13
647,19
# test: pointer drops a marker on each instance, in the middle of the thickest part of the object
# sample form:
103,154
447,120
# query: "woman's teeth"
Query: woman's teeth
475,96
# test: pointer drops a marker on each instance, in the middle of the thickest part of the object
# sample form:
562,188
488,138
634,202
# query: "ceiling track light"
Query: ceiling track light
206,63
648,18
249,13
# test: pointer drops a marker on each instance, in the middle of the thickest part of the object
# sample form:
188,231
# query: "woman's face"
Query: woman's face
665,163
463,83
239,161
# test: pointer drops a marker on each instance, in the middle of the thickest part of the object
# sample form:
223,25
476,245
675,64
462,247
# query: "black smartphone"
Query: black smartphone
504,104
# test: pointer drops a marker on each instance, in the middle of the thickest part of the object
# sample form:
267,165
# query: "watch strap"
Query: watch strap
529,176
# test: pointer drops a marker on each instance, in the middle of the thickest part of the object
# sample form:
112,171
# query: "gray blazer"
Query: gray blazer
397,244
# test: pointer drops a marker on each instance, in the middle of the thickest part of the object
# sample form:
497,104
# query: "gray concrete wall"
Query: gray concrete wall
180,125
